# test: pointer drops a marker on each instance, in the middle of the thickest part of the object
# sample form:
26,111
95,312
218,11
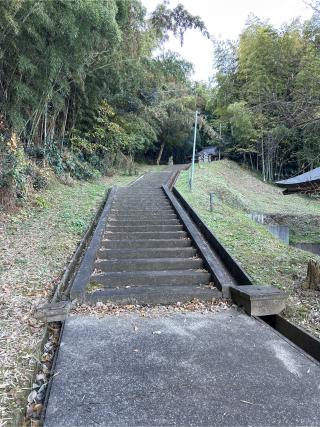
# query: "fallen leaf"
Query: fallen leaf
32,396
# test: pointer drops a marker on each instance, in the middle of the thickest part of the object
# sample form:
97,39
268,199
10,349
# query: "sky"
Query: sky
225,19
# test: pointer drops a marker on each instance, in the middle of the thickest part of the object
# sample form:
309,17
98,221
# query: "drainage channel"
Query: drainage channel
298,336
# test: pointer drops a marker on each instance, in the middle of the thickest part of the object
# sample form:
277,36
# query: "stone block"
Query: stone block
259,300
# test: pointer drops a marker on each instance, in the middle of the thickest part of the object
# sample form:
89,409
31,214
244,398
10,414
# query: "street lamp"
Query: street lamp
193,151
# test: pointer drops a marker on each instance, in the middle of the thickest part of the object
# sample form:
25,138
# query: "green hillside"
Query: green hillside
268,261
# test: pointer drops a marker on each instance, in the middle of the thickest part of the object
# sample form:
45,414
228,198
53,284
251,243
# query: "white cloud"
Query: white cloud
225,19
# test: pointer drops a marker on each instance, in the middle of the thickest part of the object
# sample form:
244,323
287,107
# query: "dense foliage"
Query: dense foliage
81,90
267,97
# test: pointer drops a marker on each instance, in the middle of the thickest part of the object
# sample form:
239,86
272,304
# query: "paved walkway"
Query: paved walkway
219,369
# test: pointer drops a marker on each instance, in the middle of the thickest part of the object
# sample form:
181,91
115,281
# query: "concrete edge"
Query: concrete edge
231,264
71,266
82,277
218,272
241,278
51,375
260,301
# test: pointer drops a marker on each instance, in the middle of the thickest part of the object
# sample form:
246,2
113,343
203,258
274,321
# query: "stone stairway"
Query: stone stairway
145,255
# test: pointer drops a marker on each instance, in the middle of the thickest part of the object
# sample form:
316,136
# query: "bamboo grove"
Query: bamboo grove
266,99
82,90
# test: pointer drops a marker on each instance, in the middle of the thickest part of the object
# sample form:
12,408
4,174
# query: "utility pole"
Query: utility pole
194,150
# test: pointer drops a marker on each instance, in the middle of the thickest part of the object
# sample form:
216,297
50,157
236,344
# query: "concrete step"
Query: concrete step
151,264
114,222
144,235
141,214
137,201
149,243
151,198
143,195
140,209
154,294
146,199
105,253
131,212
147,216
143,227
142,278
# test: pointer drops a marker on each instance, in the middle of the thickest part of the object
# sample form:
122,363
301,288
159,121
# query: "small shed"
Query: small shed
207,154
308,182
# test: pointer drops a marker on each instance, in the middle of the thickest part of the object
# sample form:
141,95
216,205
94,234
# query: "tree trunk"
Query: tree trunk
160,154
313,276
263,161
64,124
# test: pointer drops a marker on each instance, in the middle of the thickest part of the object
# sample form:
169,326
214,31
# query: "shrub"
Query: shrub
13,182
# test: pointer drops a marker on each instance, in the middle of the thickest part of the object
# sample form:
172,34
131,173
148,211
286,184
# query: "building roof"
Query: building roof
304,178
209,150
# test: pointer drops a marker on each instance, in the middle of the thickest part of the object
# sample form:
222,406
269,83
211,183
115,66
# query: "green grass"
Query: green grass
241,189
266,259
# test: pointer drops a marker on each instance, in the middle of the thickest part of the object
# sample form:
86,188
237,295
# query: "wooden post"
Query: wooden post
312,280
211,201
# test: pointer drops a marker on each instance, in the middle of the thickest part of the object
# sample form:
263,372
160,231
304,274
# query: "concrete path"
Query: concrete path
214,369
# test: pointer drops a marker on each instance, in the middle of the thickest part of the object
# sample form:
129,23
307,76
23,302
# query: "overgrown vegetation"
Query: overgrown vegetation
81,91
265,258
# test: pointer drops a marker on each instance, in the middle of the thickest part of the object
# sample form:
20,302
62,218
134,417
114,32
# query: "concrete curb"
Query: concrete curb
231,264
62,289
82,277
220,275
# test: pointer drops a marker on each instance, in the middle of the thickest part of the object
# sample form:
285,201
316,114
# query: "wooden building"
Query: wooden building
207,154
308,183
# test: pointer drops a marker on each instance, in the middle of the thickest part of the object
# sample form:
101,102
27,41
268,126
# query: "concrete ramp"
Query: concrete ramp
194,369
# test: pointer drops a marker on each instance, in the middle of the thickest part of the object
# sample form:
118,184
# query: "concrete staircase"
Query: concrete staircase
146,256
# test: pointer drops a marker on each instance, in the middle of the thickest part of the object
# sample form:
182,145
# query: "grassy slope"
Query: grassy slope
35,244
265,258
